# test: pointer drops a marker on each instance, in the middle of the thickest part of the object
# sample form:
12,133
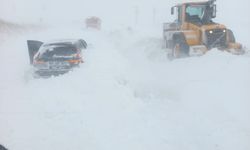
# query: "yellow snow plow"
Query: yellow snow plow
194,32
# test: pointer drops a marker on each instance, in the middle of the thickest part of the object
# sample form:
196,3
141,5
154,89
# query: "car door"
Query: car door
33,47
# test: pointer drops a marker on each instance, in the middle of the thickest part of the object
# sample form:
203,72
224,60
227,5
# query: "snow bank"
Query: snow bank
126,96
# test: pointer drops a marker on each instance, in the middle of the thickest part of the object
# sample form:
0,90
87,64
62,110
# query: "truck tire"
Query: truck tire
180,48
168,44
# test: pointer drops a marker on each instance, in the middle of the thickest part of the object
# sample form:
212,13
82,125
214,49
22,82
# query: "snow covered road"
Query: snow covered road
125,96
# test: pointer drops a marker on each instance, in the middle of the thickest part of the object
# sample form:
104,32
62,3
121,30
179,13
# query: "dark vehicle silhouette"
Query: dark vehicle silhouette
57,57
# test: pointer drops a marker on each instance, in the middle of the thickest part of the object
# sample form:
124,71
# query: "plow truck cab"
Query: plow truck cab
194,32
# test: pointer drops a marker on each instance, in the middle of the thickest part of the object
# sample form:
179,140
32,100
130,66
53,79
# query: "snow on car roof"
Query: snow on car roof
62,41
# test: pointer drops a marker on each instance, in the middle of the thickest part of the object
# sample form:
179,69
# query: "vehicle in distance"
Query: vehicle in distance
93,22
57,57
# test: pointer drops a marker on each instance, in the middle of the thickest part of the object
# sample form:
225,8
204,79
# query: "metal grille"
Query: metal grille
216,38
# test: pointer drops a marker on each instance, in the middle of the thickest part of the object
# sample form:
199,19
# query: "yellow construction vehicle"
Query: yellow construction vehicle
193,33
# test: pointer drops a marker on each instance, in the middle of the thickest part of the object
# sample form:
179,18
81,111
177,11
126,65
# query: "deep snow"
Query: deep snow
126,95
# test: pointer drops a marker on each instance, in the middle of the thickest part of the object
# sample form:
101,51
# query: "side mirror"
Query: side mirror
214,11
172,10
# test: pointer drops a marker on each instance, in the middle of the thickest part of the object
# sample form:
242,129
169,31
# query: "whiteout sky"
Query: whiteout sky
119,12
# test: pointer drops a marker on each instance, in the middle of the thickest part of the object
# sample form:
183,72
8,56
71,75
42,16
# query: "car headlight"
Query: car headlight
224,30
211,32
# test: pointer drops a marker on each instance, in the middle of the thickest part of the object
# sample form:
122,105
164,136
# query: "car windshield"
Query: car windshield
57,51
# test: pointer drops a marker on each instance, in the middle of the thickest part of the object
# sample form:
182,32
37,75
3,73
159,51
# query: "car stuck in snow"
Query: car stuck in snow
56,57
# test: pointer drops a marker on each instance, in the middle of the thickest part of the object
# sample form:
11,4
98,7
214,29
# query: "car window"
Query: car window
79,46
57,51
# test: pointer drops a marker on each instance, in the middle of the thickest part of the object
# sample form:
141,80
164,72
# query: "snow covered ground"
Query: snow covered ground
126,95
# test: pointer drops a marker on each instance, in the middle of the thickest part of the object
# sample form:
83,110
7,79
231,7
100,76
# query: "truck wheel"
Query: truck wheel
176,51
166,44
180,49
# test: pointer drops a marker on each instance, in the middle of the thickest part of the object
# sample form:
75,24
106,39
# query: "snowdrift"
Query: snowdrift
126,96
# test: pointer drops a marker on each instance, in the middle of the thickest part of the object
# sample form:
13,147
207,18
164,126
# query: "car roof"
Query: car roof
62,42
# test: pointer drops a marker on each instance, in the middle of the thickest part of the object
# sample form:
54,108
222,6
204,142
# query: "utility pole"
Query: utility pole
136,15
